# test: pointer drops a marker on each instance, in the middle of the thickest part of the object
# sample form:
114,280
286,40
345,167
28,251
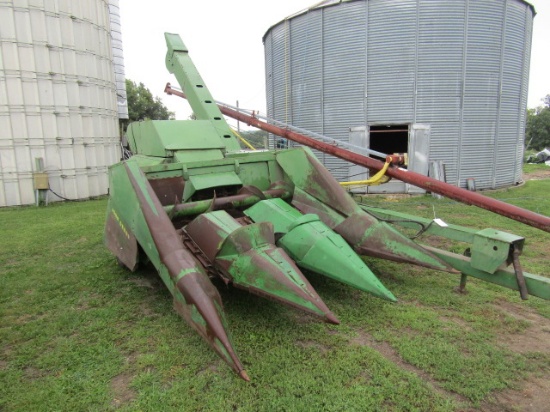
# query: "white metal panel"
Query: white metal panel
118,58
419,143
55,71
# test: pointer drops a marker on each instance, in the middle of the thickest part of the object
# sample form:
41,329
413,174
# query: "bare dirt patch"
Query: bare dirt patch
455,320
533,397
26,318
535,338
364,339
210,368
120,386
537,175
33,373
144,282
302,318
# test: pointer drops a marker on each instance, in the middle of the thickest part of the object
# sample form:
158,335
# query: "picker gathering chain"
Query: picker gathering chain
197,207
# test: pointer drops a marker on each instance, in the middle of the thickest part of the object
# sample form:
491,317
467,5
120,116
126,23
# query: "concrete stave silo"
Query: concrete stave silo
57,98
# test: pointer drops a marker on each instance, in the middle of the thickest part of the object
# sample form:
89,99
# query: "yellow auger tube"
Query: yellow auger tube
375,180
242,139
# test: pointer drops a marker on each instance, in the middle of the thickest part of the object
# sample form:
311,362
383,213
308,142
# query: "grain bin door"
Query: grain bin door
358,136
419,150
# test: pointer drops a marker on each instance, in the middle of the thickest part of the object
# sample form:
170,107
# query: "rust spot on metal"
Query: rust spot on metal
225,203
205,235
168,189
121,242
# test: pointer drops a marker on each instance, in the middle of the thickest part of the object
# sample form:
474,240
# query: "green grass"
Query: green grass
535,167
78,333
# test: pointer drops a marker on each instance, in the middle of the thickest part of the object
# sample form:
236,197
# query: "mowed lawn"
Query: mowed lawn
78,333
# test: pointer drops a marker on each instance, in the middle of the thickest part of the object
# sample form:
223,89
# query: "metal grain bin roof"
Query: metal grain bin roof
328,3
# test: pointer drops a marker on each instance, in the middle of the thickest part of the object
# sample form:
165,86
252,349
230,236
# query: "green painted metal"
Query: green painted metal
490,251
201,206
163,139
185,200
491,248
315,247
137,210
536,285
210,181
317,191
204,107
248,257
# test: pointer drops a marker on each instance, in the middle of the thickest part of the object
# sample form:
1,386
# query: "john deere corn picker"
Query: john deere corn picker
197,207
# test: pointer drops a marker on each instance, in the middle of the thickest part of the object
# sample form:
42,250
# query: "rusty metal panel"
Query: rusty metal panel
120,240
168,189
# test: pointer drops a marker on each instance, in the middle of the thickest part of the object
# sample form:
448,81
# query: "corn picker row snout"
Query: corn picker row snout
196,206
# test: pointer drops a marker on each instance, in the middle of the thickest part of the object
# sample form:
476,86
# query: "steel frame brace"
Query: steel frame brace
487,258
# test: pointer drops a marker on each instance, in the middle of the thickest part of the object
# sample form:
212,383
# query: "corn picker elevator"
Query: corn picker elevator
197,207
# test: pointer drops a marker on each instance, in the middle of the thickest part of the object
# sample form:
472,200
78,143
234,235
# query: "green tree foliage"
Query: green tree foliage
537,132
142,105
255,137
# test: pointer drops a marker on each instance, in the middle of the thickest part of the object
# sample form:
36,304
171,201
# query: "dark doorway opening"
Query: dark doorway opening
389,139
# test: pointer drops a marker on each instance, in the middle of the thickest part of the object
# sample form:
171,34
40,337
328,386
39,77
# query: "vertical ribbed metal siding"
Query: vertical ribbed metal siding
118,58
391,49
439,75
268,53
57,98
481,92
459,66
307,71
279,76
516,56
305,83
528,25
343,27
307,74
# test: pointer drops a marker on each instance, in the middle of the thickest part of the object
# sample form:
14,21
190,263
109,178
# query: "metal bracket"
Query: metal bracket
492,248
489,254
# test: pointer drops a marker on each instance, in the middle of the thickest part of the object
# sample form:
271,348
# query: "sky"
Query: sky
224,39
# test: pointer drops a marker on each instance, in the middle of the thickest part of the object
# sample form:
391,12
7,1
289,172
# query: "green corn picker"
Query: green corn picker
197,207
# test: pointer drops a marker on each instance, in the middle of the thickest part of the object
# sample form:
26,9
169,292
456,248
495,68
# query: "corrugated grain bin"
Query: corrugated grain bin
442,80
57,98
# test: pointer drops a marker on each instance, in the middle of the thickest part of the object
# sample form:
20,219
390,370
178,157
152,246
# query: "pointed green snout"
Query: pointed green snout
371,237
315,247
248,256
198,302
195,298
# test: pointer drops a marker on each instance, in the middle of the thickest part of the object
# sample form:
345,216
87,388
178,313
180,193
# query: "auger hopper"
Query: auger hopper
197,207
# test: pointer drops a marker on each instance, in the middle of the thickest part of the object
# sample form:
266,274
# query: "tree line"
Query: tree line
537,130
